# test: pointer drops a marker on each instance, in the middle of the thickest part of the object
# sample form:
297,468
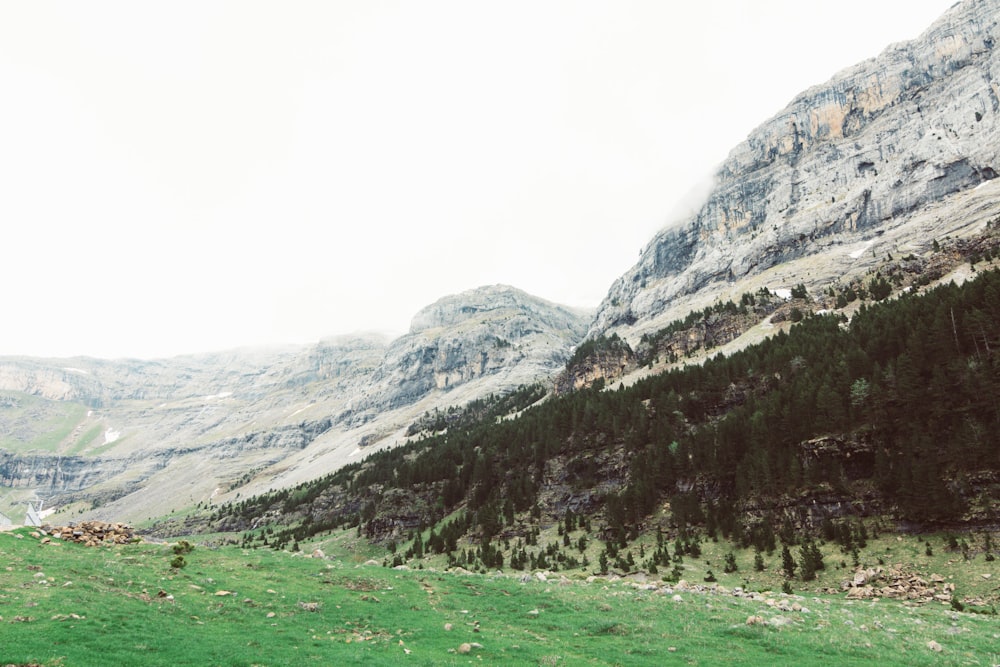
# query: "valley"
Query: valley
777,437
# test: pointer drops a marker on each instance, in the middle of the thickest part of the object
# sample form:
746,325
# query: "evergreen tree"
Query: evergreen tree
788,564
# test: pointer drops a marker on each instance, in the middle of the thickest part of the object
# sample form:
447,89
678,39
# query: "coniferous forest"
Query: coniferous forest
895,414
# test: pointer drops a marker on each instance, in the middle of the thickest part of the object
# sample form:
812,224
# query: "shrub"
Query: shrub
183,547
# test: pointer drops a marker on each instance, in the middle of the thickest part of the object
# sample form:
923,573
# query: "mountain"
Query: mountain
878,405
884,158
881,180
133,439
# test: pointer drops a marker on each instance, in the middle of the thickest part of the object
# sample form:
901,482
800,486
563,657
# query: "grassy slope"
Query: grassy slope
373,615
33,423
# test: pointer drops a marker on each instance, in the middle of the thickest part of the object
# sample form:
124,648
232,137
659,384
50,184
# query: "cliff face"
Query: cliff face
495,331
843,162
141,438
490,339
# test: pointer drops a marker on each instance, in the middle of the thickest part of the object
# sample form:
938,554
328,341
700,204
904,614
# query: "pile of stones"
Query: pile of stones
898,584
92,533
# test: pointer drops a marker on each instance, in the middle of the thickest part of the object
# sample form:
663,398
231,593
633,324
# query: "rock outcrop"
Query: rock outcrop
843,163
496,332
152,436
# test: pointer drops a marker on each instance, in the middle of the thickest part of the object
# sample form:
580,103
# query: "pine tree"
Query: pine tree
787,562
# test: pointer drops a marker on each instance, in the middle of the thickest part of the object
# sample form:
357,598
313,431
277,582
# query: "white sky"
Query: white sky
191,176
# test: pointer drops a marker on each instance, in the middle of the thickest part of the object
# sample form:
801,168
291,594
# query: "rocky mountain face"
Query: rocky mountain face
884,159
849,167
143,438
492,332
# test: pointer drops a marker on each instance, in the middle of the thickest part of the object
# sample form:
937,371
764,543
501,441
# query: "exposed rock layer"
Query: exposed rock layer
162,434
843,162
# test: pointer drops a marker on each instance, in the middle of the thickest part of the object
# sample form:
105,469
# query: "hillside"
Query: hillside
883,158
831,431
66,604
123,439
877,182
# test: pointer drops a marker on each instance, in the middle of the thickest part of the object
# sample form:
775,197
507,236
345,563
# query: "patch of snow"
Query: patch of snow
90,413
355,452
301,410
111,435
221,394
45,513
70,369
857,253
782,293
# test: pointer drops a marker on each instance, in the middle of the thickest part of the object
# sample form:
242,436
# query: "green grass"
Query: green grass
368,615
32,423
85,439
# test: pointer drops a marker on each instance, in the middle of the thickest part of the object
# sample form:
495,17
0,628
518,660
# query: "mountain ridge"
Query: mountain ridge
248,419
884,158
855,155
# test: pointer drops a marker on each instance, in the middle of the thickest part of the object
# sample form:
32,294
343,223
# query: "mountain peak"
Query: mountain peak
844,163
471,304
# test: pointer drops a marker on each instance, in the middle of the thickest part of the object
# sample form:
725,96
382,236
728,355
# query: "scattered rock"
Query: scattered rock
448,627
309,606
934,646
533,612
66,617
465,648
897,584
755,620
220,594
271,614
92,533
318,553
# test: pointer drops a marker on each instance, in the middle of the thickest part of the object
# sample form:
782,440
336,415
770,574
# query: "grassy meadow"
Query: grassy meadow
64,604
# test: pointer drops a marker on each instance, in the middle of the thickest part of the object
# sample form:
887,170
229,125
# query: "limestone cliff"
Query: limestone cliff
496,332
135,438
844,162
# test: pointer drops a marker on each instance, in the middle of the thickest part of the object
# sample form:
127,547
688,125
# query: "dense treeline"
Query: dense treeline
489,408
911,386
600,345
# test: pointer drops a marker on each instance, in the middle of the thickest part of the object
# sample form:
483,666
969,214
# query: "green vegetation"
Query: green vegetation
485,409
753,308
65,604
34,423
903,403
85,439
602,345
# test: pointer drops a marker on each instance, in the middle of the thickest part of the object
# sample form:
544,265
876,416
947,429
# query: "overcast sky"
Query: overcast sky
192,176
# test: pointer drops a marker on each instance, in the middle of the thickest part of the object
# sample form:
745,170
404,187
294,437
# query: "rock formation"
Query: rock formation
844,162
152,436
494,331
